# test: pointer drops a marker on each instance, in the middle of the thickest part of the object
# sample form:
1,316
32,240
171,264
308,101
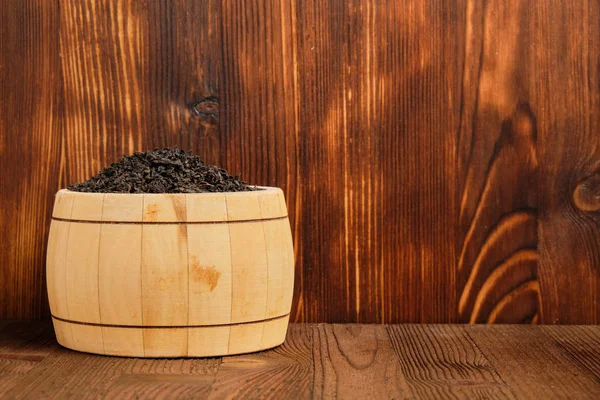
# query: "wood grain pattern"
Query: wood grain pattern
570,163
30,150
323,361
23,345
67,374
497,168
377,113
517,353
439,160
160,283
356,361
285,372
26,339
102,55
183,78
11,371
581,345
442,361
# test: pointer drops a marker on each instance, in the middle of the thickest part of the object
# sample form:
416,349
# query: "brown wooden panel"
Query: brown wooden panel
139,75
439,159
569,143
378,114
497,167
259,128
182,76
102,56
30,164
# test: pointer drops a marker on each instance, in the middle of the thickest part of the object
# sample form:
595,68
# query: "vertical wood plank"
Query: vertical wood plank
245,338
125,342
117,207
57,268
87,338
63,204
164,208
211,208
243,206
378,114
120,274
167,342
260,131
30,163
210,274
250,272
164,287
273,332
569,40
271,206
87,207
81,275
81,270
497,167
183,77
102,60
164,275
63,333
281,267
206,340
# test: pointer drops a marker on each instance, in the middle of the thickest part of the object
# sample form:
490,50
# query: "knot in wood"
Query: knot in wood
586,195
207,108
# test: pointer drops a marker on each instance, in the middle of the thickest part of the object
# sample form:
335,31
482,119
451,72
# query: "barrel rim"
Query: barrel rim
214,207
263,189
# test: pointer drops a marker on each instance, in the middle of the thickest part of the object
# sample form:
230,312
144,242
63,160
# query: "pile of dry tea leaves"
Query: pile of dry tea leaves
162,171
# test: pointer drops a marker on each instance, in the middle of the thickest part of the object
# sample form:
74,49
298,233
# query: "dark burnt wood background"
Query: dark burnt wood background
441,159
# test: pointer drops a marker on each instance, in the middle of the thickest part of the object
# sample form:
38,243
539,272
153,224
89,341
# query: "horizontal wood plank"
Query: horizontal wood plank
323,361
23,345
356,361
70,374
441,361
284,372
533,365
581,344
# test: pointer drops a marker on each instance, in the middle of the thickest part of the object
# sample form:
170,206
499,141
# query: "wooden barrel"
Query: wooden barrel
170,275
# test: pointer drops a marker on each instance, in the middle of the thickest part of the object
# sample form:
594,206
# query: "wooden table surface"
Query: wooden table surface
323,361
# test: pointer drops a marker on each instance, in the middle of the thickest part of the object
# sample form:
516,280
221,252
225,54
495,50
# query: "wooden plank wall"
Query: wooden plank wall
441,159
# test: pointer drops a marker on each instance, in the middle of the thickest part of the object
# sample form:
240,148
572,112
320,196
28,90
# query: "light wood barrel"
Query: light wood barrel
170,275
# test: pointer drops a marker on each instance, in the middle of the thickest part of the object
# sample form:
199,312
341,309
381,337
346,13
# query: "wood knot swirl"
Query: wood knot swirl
586,195
207,108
